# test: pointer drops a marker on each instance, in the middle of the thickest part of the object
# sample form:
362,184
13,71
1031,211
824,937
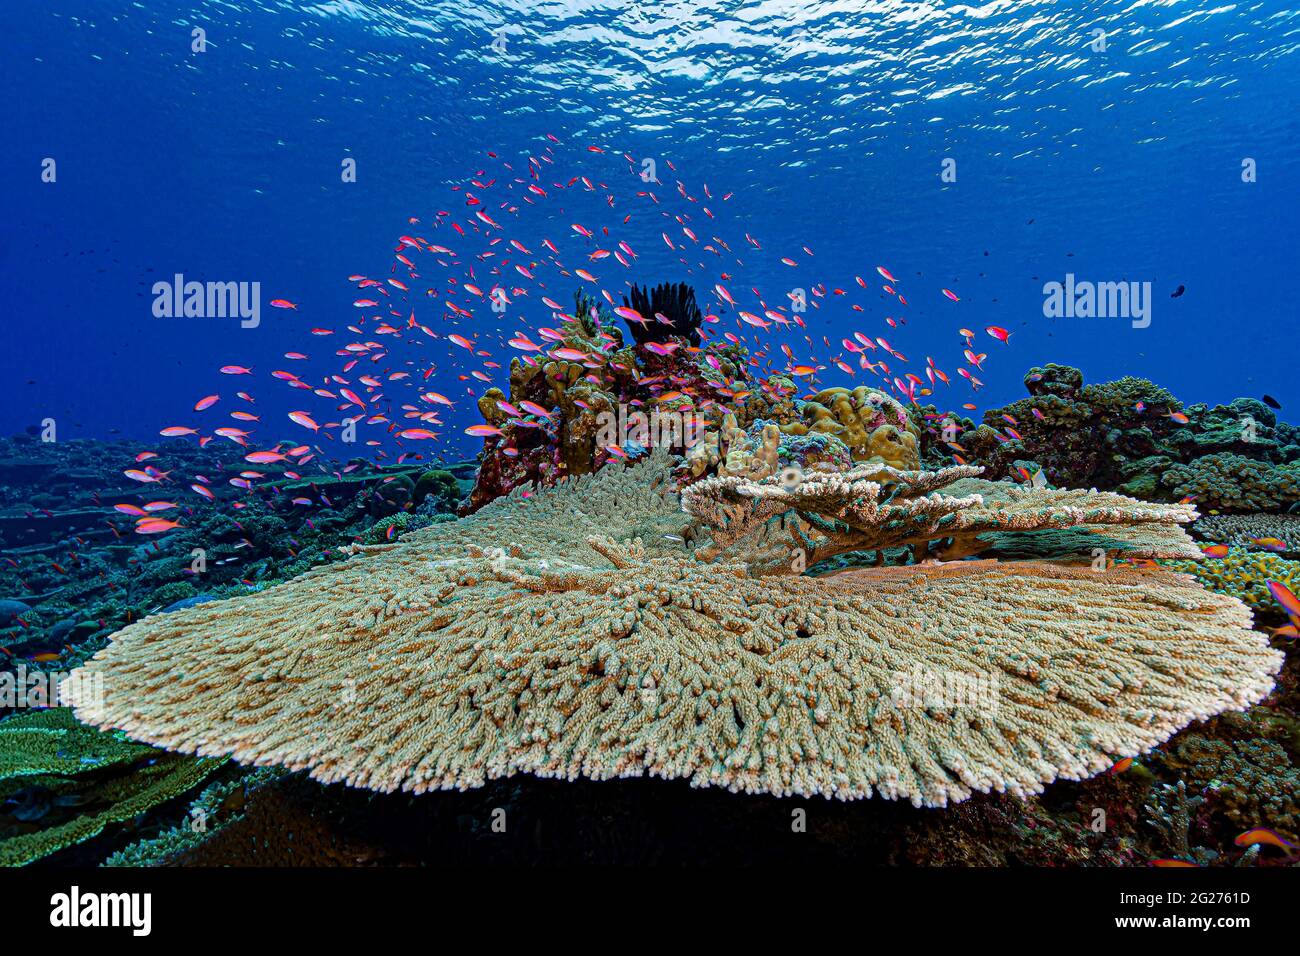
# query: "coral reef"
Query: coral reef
590,400
527,639
789,634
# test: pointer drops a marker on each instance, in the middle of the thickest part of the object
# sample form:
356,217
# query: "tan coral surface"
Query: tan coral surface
443,662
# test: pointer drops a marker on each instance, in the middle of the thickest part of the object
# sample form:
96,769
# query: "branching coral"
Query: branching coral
1230,482
573,633
1244,575
48,761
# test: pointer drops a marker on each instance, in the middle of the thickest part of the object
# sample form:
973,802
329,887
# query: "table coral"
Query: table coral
874,507
1244,530
574,632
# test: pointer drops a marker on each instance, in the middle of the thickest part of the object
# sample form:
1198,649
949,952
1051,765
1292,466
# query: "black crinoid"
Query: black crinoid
676,302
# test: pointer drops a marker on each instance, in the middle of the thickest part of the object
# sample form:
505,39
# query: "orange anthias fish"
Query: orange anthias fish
1263,836
263,457
155,526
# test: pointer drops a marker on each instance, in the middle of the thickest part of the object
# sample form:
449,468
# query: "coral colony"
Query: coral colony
808,599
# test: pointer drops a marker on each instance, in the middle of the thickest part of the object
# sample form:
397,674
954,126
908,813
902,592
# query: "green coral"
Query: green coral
378,532
173,592
439,484
54,742
1243,574
217,806
1229,482
62,783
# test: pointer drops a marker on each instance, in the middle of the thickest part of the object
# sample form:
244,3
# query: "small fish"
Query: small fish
483,431
1262,835
155,526
284,304
533,408
998,333
1215,551
1284,596
1269,544
305,420
1177,293
1271,402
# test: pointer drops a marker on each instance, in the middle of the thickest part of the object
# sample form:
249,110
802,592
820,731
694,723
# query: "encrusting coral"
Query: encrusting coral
575,632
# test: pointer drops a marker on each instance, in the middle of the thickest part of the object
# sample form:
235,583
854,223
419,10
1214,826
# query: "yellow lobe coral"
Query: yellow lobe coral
874,425
525,639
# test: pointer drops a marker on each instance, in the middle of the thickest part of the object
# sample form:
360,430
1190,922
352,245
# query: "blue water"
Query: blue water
829,122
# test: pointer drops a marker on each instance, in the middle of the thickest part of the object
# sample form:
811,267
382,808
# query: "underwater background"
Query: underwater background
829,121
915,172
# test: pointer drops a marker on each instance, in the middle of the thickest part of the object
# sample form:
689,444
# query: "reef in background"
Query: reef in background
1134,437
